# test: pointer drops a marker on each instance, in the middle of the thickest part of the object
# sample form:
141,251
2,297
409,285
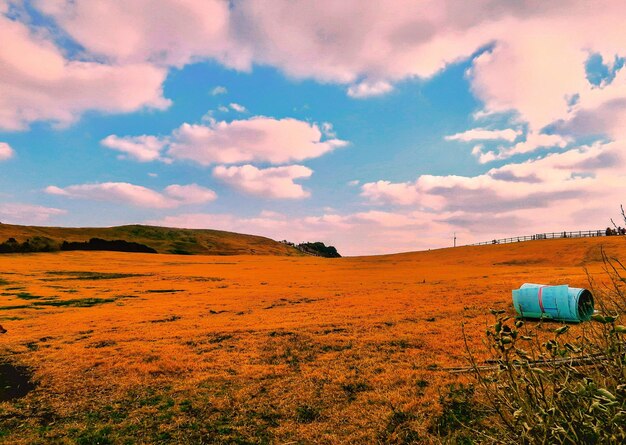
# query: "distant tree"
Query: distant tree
36,244
319,248
101,244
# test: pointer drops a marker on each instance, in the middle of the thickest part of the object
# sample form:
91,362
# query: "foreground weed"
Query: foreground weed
566,390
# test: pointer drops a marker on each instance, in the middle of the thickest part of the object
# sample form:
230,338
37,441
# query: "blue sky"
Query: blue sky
388,134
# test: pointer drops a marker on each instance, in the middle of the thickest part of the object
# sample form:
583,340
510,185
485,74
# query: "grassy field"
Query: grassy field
139,348
162,239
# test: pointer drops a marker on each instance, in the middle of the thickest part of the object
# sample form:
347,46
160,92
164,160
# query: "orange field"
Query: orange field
139,348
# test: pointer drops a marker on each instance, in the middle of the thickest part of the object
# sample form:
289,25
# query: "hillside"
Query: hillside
162,239
258,349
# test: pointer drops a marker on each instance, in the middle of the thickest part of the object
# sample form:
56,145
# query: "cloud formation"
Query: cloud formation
258,139
142,148
323,41
165,33
39,83
367,89
238,108
6,152
275,182
531,194
219,90
135,195
19,213
482,134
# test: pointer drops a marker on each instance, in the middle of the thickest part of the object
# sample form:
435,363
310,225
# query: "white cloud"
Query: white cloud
167,32
136,195
367,89
219,90
260,139
18,213
257,139
39,83
580,177
238,108
534,65
190,194
6,152
276,182
142,148
482,134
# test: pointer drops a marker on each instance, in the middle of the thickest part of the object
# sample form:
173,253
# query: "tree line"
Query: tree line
44,244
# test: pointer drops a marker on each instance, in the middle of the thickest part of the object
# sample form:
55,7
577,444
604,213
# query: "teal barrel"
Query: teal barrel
561,303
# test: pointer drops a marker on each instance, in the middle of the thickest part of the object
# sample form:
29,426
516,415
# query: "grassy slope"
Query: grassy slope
163,239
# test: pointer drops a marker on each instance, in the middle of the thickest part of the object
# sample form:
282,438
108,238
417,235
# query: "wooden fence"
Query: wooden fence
547,235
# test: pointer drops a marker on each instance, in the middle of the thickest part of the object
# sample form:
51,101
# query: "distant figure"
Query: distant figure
494,242
608,231
2,330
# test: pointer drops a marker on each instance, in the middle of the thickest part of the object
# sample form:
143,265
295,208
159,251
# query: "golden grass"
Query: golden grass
255,349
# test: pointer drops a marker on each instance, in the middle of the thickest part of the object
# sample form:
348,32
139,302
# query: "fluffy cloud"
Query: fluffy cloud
482,134
219,90
260,139
142,148
190,194
529,56
17,213
366,89
136,195
238,108
554,187
39,83
167,32
533,142
276,182
6,152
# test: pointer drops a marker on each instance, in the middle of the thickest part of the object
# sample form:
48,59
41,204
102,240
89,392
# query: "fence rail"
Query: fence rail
548,235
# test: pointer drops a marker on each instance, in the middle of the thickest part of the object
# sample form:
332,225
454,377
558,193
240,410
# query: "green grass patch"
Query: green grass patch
77,302
27,296
307,414
22,306
164,291
82,275
3,282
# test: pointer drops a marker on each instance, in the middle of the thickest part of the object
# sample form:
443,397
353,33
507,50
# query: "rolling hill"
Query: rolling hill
162,239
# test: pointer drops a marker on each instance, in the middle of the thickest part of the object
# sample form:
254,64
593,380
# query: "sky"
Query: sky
374,126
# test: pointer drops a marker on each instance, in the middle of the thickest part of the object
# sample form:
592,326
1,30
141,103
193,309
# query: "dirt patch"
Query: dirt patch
521,262
15,382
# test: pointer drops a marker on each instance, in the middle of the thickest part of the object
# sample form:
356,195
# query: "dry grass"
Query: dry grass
255,349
